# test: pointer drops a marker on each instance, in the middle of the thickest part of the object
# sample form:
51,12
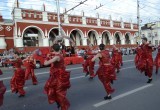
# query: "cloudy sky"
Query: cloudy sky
125,9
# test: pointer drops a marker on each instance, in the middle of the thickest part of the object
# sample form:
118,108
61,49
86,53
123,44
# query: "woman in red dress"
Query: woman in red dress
18,79
157,60
88,66
146,61
29,63
2,90
106,71
58,82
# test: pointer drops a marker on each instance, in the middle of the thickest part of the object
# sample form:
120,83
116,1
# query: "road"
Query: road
132,91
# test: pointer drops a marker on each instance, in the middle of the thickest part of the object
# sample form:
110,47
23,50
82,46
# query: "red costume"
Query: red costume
2,90
29,63
88,63
138,56
157,60
120,57
145,63
58,83
116,59
106,71
18,79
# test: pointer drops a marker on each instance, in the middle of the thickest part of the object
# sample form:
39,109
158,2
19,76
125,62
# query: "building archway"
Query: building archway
127,38
52,34
106,37
117,37
92,37
76,35
32,36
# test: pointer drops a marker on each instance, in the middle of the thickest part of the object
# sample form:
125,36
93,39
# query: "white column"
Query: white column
2,43
66,41
111,41
84,20
132,41
45,42
99,41
19,42
45,16
84,41
123,41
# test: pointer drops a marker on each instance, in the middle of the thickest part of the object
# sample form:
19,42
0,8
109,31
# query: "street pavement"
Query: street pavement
132,91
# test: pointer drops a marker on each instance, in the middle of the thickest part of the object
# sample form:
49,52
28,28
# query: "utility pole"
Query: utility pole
138,20
58,16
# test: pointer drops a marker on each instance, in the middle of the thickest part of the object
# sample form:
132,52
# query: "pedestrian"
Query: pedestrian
106,71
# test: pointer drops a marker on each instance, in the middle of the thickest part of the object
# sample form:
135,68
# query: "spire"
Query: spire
16,4
1,18
44,7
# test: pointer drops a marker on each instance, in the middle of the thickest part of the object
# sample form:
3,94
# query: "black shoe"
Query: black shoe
121,64
111,81
117,71
149,81
107,97
16,92
87,74
145,74
21,95
90,78
156,72
58,105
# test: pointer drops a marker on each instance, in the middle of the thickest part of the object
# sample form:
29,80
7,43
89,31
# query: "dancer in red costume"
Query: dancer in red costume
2,90
157,60
138,56
29,63
116,58
18,79
120,57
146,61
106,71
58,82
88,66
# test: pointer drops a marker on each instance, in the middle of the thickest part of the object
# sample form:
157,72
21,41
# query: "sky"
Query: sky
117,9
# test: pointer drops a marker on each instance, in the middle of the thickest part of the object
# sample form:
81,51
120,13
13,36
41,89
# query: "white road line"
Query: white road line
122,95
10,90
66,69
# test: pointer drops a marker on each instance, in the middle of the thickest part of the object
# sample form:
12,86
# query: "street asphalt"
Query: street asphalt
132,91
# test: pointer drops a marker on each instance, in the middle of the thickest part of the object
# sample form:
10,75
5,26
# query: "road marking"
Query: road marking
66,69
10,90
122,95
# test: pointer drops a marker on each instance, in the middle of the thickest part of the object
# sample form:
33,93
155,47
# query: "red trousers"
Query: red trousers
106,73
30,72
88,67
2,91
17,82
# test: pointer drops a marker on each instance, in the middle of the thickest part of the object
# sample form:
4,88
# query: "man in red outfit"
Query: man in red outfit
146,61
138,56
157,60
2,90
58,82
18,79
30,65
88,66
106,71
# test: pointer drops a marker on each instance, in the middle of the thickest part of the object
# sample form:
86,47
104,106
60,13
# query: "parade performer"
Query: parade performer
157,60
138,56
29,63
18,79
116,58
106,71
58,82
146,61
120,57
88,65
2,90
